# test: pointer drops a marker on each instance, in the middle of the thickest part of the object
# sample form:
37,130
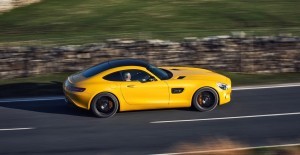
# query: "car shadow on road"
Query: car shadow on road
31,89
51,107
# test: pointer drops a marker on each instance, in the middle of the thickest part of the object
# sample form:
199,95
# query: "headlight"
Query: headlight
222,86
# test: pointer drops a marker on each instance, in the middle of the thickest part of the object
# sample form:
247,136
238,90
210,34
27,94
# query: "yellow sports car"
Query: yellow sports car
130,84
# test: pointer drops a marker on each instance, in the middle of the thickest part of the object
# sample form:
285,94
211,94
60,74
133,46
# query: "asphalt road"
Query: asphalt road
55,128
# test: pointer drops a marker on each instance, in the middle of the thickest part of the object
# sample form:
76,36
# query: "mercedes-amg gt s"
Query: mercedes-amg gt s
130,84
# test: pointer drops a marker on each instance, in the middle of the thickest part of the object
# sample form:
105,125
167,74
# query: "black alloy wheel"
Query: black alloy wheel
205,99
104,105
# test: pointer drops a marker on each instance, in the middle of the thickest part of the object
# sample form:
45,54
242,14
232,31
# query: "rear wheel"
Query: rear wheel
104,105
205,99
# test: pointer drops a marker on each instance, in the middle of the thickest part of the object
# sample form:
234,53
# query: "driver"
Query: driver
127,76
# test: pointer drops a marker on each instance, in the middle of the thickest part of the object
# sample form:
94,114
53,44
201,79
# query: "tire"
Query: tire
104,105
205,99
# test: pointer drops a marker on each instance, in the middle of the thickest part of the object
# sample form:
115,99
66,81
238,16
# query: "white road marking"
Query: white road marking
226,118
266,86
14,129
234,88
234,149
32,99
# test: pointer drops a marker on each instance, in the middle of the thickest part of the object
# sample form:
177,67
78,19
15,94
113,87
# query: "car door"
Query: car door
143,88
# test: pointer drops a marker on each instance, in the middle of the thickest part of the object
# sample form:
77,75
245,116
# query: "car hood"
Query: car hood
189,73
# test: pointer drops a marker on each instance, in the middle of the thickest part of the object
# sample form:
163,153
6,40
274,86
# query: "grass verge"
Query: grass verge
78,21
50,85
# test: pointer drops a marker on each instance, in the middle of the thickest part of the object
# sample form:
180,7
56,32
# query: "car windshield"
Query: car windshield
163,75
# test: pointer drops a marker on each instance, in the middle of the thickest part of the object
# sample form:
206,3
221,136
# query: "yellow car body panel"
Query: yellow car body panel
136,95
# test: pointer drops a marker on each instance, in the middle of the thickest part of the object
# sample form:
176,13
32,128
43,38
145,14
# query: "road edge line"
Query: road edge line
14,129
50,98
225,118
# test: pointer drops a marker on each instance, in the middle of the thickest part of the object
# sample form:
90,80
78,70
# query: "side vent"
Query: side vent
177,90
181,77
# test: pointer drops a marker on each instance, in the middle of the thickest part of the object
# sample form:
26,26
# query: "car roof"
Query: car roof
127,62
113,64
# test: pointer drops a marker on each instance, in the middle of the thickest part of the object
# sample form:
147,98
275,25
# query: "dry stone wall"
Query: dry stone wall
250,55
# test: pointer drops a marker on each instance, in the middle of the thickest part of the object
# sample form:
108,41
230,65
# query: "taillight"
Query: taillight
75,89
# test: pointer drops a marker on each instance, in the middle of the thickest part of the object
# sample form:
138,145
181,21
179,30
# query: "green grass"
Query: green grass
239,79
58,77
78,21
47,85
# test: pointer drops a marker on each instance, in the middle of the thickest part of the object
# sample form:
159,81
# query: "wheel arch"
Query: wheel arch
209,87
108,92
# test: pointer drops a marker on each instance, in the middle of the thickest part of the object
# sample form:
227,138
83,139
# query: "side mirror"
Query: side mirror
149,79
152,78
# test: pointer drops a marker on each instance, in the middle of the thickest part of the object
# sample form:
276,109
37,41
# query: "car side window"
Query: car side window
135,75
116,76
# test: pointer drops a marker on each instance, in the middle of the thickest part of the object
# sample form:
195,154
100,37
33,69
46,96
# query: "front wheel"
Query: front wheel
205,99
104,105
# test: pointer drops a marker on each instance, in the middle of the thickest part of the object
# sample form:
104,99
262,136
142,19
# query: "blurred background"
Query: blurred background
46,40
253,42
76,22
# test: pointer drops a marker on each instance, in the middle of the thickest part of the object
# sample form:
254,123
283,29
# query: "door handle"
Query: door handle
130,86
